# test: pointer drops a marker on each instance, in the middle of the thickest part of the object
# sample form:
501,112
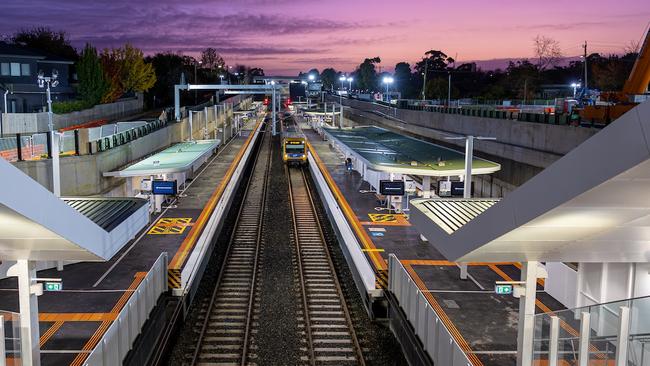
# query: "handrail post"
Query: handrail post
583,342
19,148
623,336
554,341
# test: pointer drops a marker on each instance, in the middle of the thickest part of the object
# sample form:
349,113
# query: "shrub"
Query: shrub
70,106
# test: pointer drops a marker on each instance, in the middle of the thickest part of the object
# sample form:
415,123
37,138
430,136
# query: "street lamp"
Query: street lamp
52,82
196,81
388,80
311,77
350,79
575,88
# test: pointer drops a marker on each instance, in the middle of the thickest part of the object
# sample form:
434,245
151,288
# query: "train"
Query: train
294,146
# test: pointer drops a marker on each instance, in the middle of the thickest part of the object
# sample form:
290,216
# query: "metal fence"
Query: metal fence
121,138
436,339
9,338
119,337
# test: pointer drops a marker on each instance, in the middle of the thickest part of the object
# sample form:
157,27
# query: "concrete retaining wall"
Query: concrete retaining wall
13,123
534,144
83,175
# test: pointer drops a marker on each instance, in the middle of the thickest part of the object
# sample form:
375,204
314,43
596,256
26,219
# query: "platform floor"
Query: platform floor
487,322
73,320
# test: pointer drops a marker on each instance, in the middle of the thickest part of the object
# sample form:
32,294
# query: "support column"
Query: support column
273,102
554,341
526,325
426,187
469,150
463,270
623,336
27,297
177,102
56,168
3,351
190,123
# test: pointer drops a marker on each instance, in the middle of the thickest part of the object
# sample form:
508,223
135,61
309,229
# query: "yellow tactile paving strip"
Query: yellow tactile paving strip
170,226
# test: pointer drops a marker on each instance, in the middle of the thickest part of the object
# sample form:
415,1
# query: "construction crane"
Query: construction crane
618,103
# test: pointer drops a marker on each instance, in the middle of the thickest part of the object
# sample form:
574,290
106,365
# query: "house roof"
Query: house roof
14,50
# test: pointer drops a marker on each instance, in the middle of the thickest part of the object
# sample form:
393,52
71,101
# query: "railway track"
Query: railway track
228,319
328,335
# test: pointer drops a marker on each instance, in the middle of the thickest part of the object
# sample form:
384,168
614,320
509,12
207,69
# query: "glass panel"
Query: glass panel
25,70
4,69
12,335
15,69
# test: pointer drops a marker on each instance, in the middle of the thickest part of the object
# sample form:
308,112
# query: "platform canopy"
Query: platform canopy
386,151
177,158
592,205
36,225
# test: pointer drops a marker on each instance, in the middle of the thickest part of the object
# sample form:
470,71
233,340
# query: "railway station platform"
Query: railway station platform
481,323
94,297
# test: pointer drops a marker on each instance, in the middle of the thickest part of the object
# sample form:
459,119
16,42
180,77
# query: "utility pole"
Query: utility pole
525,90
449,91
585,56
424,82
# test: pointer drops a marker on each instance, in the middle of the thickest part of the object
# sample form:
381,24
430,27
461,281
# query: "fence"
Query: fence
436,339
114,345
121,138
616,333
9,338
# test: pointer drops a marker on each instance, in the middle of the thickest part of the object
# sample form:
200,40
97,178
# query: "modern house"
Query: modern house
19,68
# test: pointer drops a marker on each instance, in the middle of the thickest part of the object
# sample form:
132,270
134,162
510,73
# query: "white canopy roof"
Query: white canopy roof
36,225
592,205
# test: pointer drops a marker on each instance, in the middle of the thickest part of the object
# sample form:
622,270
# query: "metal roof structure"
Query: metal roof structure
383,150
108,213
592,205
36,225
452,214
177,158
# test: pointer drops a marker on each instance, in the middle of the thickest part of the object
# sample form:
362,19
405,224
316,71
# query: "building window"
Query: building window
25,70
4,69
15,69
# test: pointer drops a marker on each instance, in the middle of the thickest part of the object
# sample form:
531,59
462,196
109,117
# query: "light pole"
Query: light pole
575,88
196,81
350,79
52,82
388,80
469,156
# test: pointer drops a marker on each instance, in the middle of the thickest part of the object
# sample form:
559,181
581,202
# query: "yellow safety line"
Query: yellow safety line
190,240
451,327
366,242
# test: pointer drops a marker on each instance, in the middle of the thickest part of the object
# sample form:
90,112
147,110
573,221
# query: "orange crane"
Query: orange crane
618,103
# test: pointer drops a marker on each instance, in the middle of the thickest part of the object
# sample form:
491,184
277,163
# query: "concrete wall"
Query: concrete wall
13,123
83,175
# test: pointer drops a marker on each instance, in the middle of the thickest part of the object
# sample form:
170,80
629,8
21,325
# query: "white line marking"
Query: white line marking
473,279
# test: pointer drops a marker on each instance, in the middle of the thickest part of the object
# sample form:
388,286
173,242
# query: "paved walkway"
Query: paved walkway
486,322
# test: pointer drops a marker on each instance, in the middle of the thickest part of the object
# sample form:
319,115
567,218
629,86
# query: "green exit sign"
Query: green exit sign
503,289
53,286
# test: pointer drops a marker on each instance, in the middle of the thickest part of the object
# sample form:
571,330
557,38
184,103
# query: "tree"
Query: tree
366,74
547,51
92,82
403,79
314,72
126,71
45,39
211,59
330,78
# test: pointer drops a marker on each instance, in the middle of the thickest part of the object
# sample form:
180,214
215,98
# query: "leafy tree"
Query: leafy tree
127,72
92,82
330,78
211,59
45,39
366,74
403,79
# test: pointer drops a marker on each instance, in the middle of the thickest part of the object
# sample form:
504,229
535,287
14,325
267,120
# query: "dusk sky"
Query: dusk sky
285,36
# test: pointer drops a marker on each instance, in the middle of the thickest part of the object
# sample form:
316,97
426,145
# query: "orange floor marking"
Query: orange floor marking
433,262
190,240
568,328
99,333
362,235
451,327
49,333
75,317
